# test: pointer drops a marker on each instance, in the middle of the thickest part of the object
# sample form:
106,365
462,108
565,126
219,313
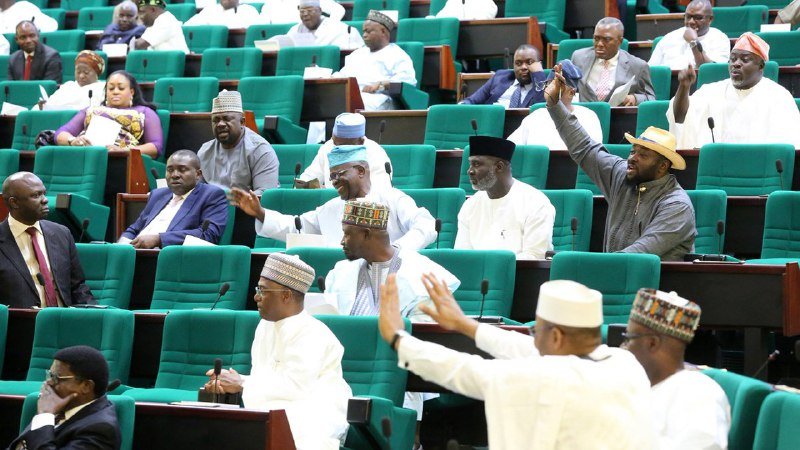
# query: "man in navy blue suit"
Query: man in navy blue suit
179,210
514,88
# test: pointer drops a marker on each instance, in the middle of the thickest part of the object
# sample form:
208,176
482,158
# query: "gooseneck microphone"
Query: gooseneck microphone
711,127
438,227
84,226
720,232
144,66
298,224
381,130
386,428
772,357
297,168
217,371
388,168
779,168
171,93
507,57
154,172
321,284
463,91
573,224
222,290
474,124
484,291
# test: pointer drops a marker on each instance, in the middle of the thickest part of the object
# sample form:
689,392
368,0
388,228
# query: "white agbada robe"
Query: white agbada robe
166,34
601,401
71,95
538,128
23,10
329,32
376,157
521,221
690,411
409,226
390,63
242,16
286,11
673,50
297,366
763,114
469,9
5,46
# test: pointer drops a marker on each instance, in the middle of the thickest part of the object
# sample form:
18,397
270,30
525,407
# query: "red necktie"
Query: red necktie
49,289
27,74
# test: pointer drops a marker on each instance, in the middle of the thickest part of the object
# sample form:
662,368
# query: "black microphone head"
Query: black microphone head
387,167
573,224
191,35
711,123
313,60
91,17
85,224
5,89
779,165
720,227
227,60
40,279
297,168
386,427
144,63
217,366
383,126
25,130
154,172
113,384
321,283
90,93
171,90
438,225
205,224
484,286
298,224
224,289
474,124
263,34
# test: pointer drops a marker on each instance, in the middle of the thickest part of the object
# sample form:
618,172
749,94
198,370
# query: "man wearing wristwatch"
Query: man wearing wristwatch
694,44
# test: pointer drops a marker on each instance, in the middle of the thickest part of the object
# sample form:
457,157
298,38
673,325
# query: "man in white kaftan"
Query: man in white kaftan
164,31
13,12
287,11
314,29
693,44
469,9
228,13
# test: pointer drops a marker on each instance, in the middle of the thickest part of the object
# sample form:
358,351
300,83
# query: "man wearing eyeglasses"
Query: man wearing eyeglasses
694,44
690,410
73,410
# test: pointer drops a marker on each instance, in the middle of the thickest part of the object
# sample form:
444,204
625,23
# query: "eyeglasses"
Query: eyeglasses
626,337
336,175
260,291
55,378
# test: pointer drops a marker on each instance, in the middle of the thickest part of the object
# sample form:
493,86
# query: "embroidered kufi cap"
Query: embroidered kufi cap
665,313
366,214
227,101
289,271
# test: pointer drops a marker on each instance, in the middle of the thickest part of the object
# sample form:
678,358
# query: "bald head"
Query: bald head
24,195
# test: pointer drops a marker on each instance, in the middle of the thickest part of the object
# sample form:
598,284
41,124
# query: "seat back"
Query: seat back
262,32
294,202
108,330
569,46
415,51
362,7
569,204
29,124
411,165
108,269
95,17
369,365
777,422
201,37
603,112
652,113
4,67
710,207
433,31
783,47
782,225
549,11
436,6
745,395
68,66
182,11
185,94
529,165
77,5
712,72
26,93
147,65
443,204
277,96
618,276
289,155
473,266
735,21
661,77
190,277
9,162
322,259
231,63
294,60
65,40
449,126
57,14
582,181
745,169
73,170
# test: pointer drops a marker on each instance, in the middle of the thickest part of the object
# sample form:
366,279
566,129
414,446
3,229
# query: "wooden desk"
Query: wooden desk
496,37
582,15
651,26
438,71
469,83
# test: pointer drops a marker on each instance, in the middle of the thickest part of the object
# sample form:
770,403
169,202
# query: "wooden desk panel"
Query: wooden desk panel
495,37
651,26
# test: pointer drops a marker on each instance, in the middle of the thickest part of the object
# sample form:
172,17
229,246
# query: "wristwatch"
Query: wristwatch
695,44
399,334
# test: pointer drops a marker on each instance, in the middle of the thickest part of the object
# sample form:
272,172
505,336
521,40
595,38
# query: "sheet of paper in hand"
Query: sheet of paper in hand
621,92
102,131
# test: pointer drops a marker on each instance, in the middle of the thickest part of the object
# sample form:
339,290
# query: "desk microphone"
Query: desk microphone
297,168
386,427
222,290
484,291
573,224
720,232
263,34
84,226
90,95
474,124
144,72
227,66
217,371
313,60
779,168
321,284
711,127
384,5
463,91
24,130
507,57
113,385
438,227
5,91
236,10
772,357
154,172
91,17
388,168
298,224
381,129
191,38
171,93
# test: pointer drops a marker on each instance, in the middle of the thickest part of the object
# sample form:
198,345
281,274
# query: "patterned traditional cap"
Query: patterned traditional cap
289,271
342,154
366,214
159,3
571,304
381,18
349,125
752,43
307,3
666,313
571,73
491,146
92,60
227,101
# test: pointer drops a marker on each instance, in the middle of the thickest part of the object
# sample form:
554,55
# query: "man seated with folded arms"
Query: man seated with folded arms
693,44
560,388
227,13
164,31
648,211
237,156
690,410
504,213
747,108
513,88
73,411
314,29
409,227
296,360
288,11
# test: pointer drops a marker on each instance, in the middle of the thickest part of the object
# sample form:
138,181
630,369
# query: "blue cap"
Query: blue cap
343,154
571,74
349,125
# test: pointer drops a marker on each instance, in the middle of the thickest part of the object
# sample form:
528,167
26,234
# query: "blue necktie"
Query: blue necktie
516,97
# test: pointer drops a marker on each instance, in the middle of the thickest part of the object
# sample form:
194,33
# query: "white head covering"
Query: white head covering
565,302
227,101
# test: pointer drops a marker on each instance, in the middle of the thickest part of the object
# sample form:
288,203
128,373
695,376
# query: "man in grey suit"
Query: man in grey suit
33,60
605,67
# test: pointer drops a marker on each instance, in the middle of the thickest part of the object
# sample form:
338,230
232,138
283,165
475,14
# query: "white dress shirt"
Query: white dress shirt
596,72
23,239
673,50
45,419
161,222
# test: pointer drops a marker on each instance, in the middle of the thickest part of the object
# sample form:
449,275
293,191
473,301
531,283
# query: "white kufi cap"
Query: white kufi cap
571,304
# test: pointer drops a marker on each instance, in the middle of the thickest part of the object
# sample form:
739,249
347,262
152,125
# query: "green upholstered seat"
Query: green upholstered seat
569,204
276,96
745,395
711,72
433,31
147,65
4,67
9,162
57,14
25,93
745,169
65,40
30,123
473,266
322,259
231,63
569,46
710,206
549,11
124,406
289,155
76,5
192,340
182,11
193,94
362,7
652,113
370,367
735,21
661,77
80,172
108,330
412,97
783,47
68,65
294,60
582,181
443,204
3,331
449,126
411,165
201,37
109,272
190,277
529,165
782,226
294,202
778,421
227,234
263,32
618,276
95,17
436,6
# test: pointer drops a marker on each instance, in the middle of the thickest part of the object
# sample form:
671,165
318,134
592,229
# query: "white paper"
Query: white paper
621,92
161,183
301,39
112,50
193,241
102,131
314,72
318,303
770,27
200,4
316,133
10,109
268,45
304,240
45,97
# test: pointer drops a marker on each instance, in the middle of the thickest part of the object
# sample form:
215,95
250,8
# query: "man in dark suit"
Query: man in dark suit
513,88
73,410
39,263
179,210
605,67
33,60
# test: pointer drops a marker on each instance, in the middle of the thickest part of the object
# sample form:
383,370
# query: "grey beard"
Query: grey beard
486,183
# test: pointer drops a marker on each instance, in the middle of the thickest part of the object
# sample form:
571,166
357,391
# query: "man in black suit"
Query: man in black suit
26,240
33,60
73,410
513,88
